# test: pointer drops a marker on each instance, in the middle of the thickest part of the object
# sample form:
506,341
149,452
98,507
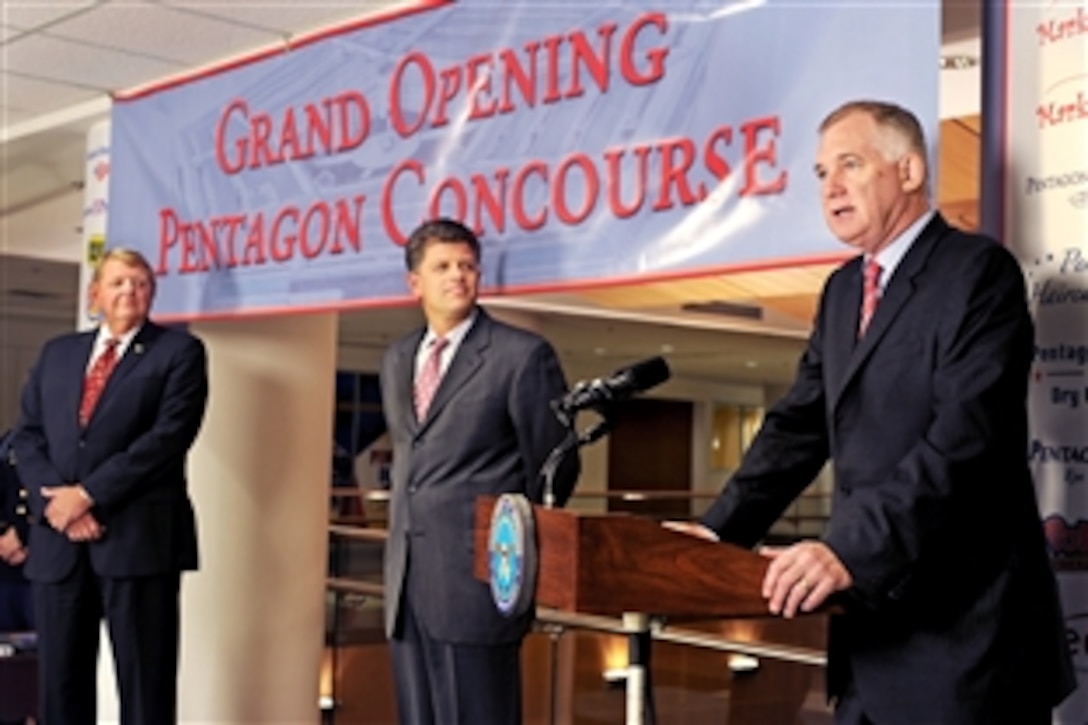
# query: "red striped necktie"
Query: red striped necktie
429,378
870,295
96,379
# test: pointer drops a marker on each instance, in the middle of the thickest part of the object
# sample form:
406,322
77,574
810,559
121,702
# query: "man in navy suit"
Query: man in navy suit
113,525
916,392
487,430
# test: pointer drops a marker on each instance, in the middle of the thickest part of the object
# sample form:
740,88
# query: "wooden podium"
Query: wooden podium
632,567
612,564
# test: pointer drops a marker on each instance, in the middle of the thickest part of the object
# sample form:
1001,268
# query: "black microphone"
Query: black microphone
622,384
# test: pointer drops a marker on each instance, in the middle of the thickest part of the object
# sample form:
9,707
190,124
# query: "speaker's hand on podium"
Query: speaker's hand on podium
691,528
801,577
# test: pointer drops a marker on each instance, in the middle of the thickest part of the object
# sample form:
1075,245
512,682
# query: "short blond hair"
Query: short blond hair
126,256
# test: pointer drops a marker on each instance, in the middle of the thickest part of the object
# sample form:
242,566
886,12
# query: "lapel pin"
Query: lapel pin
138,349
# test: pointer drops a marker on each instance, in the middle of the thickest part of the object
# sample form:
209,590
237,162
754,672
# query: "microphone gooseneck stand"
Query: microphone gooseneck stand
640,701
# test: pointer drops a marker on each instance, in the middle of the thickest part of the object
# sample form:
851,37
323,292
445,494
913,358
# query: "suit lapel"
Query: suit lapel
405,366
843,303
464,366
897,293
138,349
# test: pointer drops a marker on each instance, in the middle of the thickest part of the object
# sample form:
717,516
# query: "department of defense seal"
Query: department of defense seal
512,555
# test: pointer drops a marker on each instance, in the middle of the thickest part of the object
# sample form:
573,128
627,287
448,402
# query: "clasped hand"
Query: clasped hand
69,511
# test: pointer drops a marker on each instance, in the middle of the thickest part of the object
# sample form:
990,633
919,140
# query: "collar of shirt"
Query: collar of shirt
453,341
890,256
104,334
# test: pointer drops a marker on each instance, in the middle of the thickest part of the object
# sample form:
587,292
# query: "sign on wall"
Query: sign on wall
584,142
1047,209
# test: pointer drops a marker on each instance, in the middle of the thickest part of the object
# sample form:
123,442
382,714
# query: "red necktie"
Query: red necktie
96,379
870,295
429,378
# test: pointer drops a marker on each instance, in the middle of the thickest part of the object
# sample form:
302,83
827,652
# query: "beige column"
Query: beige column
253,617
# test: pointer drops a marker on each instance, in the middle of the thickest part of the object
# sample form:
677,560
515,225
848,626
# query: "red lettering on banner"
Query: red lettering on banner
492,199
472,82
230,165
715,162
188,252
597,65
676,174
521,217
448,86
513,73
349,224
232,224
261,127
551,60
677,170
656,56
755,156
168,237
318,132
354,127
623,181
479,87
282,245
245,139
388,222
321,228
613,157
207,247
254,247
312,248
559,191
396,112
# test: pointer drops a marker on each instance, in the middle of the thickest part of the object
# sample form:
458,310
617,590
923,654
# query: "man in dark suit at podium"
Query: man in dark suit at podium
107,420
913,384
466,400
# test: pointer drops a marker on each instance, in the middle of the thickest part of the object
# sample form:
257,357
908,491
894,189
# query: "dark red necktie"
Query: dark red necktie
429,378
96,379
870,295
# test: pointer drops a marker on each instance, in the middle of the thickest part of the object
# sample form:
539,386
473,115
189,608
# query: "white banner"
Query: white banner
1047,225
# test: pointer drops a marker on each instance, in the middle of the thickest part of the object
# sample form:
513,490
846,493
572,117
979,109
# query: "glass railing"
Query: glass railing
736,671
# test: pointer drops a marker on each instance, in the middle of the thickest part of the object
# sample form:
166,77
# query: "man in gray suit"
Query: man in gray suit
467,403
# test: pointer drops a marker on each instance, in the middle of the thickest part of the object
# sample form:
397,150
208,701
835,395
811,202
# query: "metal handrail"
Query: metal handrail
381,495
359,533
659,631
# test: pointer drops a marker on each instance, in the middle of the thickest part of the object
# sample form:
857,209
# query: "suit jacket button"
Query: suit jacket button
82,444
846,490
21,510
22,493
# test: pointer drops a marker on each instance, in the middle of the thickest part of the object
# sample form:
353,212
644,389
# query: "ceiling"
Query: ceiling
61,59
